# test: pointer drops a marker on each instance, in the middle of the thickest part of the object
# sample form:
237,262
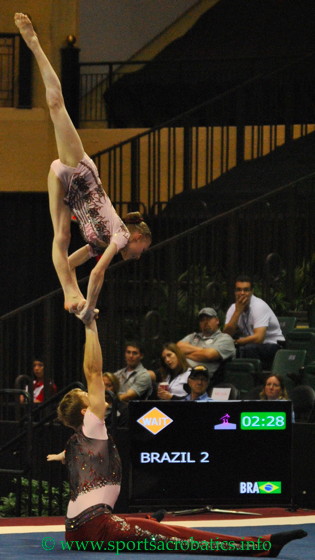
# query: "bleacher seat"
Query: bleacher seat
289,364
303,400
299,339
287,324
308,375
242,374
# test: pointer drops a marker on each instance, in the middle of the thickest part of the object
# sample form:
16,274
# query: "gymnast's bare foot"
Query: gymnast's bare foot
74,304
26,29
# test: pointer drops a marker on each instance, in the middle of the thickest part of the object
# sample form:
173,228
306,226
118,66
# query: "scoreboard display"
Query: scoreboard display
210,453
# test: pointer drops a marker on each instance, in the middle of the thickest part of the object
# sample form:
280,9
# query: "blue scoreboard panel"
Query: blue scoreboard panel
210,453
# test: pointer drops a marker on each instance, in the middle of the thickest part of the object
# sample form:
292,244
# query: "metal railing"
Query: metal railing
192,150
24,444
29,485
97,79
157,298
15,60
8,47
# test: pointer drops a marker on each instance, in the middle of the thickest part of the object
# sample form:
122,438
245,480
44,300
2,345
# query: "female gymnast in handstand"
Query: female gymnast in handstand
74,187
95,473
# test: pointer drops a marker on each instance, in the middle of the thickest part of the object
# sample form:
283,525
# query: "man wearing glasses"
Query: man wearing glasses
253,324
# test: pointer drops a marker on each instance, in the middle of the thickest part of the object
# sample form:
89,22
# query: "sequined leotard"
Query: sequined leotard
94,466
98,221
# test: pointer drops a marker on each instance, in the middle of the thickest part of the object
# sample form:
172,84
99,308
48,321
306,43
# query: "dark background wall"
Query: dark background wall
117,30
238,28
230,43
25,247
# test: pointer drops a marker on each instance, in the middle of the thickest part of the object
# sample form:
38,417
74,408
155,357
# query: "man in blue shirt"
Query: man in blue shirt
198,383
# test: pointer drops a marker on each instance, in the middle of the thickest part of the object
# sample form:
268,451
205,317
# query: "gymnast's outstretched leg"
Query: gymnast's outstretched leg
70,151
143,535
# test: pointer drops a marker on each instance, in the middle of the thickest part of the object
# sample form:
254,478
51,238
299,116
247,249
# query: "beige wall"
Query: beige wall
26,136
97,139
27,147
53,21
27,144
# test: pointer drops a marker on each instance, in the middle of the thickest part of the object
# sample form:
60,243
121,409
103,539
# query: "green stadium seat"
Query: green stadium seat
289,363
241,373
302,340
287,324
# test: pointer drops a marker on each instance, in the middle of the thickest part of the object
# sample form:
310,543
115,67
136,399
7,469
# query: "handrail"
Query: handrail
172,279
26,432
56,398
166,242
29,467
17,93
165,61
185,116
34,410
196,147
23,377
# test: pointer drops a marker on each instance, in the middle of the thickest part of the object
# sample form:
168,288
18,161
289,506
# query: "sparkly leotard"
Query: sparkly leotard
94,466
97,218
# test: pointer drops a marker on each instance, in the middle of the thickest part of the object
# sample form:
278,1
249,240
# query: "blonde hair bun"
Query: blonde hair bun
133,218
135,222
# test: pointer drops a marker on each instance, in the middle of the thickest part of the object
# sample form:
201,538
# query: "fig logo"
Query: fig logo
155,420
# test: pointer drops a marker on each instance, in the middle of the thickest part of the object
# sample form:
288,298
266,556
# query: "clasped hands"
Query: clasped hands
86,314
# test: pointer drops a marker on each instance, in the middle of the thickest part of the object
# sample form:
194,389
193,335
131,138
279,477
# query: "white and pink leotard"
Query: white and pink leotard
98,221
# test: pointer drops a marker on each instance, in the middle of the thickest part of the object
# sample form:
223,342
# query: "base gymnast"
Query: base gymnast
75,188
95,473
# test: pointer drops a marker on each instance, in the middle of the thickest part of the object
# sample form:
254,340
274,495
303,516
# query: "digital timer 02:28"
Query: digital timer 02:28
263,420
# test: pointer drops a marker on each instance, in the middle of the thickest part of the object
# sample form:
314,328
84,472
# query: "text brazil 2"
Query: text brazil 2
174,457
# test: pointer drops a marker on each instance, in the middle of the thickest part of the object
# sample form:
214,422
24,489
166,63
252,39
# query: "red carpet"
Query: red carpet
263,513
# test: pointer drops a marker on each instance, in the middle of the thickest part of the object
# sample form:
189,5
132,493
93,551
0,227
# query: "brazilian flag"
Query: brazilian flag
269,487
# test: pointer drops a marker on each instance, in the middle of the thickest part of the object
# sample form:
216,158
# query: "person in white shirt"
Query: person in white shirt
253,324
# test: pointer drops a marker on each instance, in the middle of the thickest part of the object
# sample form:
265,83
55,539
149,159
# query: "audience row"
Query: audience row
191,367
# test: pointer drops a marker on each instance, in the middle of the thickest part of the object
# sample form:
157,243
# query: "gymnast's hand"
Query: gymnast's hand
57,457
87,315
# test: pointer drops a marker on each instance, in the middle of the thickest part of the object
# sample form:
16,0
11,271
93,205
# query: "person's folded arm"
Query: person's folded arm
186,347
204,354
